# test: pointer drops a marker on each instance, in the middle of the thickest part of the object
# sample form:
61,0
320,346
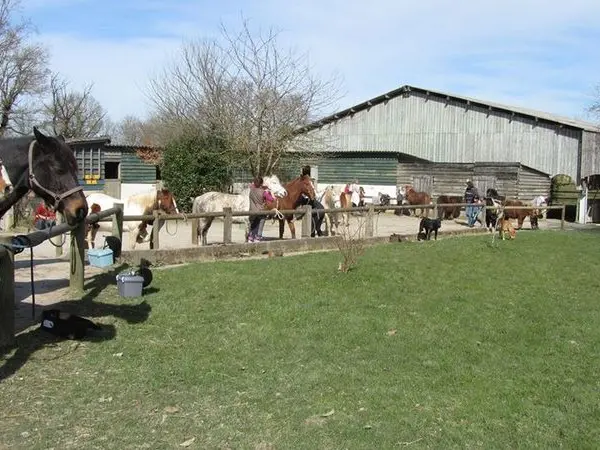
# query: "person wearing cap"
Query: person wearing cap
471,197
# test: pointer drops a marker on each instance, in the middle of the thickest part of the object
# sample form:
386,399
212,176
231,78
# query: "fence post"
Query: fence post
227,225
562,217
154,242
59,239
369,221
7,297
306,222
435,208
117,222
76,281
195,224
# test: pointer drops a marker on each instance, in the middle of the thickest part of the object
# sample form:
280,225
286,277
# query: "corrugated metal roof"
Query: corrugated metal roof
406,90
133,147
94,140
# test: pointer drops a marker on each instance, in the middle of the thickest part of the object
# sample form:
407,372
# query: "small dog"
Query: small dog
429,225
66,325
506,227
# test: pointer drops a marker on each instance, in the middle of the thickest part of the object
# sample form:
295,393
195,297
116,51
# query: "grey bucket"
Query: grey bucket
130,284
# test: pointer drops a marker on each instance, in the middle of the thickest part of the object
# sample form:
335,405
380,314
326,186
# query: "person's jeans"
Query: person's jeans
254,227
261,225
42,224
471,212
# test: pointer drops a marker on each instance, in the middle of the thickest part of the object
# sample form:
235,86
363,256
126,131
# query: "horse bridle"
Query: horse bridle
34,182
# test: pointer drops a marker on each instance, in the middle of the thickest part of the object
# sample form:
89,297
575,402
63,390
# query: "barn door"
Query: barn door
483,183
423,183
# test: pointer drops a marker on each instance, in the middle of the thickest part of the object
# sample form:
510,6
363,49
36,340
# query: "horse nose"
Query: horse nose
81,213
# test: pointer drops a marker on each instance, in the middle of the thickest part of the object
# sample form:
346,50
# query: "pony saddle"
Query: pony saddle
66,325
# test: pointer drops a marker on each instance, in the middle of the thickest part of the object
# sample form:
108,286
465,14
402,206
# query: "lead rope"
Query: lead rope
185,219
32,280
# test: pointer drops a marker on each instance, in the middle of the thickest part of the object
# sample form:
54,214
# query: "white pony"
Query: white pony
216,201
135,205
6,184
330,199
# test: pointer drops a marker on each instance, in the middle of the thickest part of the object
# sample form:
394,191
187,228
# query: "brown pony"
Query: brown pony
412,197
345,202
521,214
449,212
93,227
295,188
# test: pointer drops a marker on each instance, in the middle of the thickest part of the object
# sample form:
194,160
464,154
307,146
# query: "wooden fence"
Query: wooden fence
10,245
14,244
371,210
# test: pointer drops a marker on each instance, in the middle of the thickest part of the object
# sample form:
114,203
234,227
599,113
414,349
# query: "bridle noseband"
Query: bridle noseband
34,182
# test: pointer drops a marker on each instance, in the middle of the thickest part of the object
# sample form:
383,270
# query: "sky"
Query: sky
538,54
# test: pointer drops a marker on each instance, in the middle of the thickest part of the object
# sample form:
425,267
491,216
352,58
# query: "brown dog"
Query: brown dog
506,227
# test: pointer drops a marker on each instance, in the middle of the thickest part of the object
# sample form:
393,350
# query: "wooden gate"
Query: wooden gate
423,183
483,183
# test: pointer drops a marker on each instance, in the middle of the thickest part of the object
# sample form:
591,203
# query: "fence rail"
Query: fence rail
227,215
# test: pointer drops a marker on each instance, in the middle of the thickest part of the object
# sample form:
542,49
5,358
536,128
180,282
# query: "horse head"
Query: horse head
295,189
47,166
306,187
274,185
6,185
491,192
165,201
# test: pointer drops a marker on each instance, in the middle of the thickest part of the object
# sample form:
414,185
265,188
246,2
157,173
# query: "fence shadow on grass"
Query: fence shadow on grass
29,342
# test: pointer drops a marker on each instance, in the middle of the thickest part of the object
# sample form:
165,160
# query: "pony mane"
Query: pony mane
147,200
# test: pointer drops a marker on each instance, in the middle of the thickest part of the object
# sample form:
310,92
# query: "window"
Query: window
158,174
111,170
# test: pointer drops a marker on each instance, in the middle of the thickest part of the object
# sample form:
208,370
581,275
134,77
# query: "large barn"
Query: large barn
437,140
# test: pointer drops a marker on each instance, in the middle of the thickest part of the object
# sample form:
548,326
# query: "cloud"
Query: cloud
532,53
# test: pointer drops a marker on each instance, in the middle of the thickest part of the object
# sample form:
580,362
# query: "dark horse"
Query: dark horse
449,212
295,188
47,166
318,214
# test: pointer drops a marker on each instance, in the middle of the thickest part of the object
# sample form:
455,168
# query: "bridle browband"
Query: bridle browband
34,182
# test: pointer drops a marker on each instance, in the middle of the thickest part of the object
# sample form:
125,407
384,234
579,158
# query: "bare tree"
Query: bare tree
73,114
23,67
151,132
246,87
128,131
594,108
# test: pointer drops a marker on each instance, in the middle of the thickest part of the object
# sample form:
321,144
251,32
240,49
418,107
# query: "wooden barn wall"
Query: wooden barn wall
368,169
134,170
590,154
435,179
532,184
510,180
505,178
111,156
448,131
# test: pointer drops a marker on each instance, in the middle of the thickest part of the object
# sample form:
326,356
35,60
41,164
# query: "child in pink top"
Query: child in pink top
268,196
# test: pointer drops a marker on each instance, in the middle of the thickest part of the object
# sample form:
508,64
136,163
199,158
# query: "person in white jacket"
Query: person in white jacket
355,193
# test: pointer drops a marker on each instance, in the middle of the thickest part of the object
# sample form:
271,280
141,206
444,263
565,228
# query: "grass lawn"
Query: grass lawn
447,344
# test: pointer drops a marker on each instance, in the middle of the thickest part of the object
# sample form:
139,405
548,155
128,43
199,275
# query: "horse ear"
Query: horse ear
41,137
